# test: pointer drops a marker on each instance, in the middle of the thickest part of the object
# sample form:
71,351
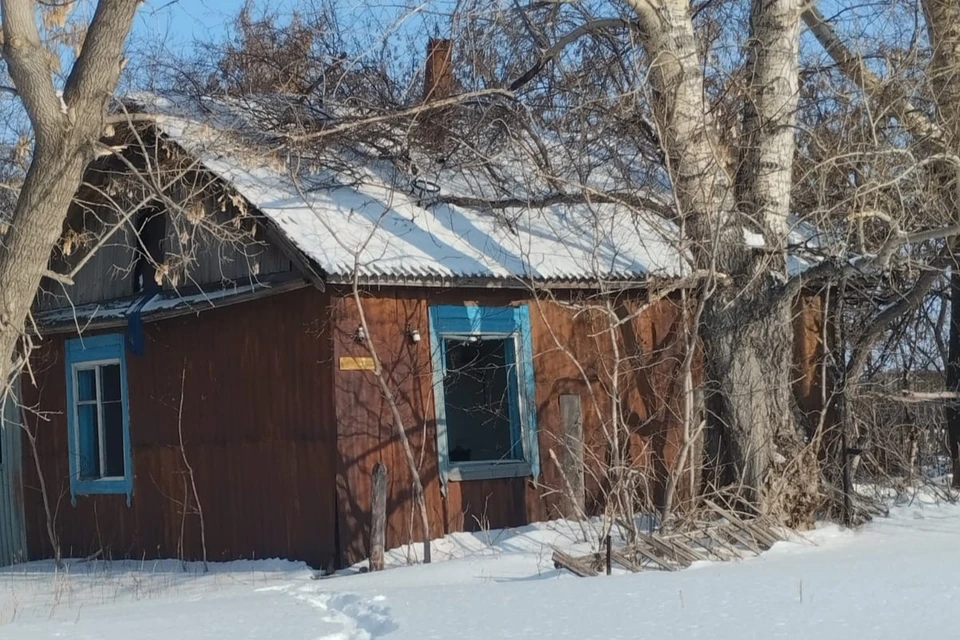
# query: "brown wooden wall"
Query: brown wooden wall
283,442
258,429
365,427
808,353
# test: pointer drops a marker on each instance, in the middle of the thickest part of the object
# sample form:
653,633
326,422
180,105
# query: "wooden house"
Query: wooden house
207,375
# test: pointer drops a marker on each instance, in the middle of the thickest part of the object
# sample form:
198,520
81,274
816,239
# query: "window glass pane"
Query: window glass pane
89,442
113,439
86,384
477,400
110,379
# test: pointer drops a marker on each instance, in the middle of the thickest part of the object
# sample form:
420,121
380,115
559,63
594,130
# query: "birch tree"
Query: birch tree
747,323
67,123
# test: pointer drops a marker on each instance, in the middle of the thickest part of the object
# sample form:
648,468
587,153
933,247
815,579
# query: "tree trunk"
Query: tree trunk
747,325
66,128
51,182
751,406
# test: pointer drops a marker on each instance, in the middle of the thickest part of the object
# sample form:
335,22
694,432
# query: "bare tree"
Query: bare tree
67,128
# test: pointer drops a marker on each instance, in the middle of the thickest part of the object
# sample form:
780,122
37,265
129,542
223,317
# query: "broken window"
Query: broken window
484,392
479,389
151,229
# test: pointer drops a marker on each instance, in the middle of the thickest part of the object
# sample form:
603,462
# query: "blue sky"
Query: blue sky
182,21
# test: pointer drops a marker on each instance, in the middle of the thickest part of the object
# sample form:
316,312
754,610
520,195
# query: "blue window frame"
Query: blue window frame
484,392
98,416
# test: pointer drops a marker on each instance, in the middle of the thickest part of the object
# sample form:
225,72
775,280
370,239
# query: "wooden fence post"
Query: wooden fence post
378,519
571,429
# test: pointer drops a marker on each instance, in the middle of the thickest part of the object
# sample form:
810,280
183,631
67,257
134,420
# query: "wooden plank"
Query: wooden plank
378,518
736,534
571,430
764,532
764,538
664,549
621,558
690,552
577,566
654,555
718,539
700,538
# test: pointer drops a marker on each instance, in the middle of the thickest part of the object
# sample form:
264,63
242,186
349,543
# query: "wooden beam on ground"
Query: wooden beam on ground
701,538
690,552
654,556
748,542
717,538
664,549
577,566
761,536
625,561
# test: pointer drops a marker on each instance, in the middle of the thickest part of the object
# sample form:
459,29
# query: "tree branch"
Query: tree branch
861,349
832,270
853,67
403,113
593,26
29,68
98,65
630,199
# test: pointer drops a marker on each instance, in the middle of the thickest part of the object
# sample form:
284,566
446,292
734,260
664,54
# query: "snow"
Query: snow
369,216
895,578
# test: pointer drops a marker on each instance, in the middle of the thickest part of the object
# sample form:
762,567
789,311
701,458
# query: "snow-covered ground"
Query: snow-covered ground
896,578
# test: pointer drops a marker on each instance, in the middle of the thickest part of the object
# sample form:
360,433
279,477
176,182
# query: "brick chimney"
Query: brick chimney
438,79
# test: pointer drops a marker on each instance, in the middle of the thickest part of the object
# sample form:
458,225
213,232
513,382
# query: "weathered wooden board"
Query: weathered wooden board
571,429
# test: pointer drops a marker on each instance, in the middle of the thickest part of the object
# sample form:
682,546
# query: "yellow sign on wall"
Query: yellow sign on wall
356,363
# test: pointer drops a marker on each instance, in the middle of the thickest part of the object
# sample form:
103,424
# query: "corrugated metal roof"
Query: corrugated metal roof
374,223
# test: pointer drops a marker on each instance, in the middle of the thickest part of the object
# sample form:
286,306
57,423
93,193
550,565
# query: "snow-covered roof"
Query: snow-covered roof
365,214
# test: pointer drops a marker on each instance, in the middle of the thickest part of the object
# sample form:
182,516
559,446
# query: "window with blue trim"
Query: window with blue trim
484,392
98,416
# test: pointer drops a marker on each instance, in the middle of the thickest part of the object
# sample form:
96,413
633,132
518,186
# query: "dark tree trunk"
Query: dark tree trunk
748,333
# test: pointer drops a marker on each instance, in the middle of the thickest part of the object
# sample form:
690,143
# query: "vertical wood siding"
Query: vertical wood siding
284,442
366,435
258,431
13,544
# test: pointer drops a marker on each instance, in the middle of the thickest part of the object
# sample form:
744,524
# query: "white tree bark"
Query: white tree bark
769,115
690,138
747,329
